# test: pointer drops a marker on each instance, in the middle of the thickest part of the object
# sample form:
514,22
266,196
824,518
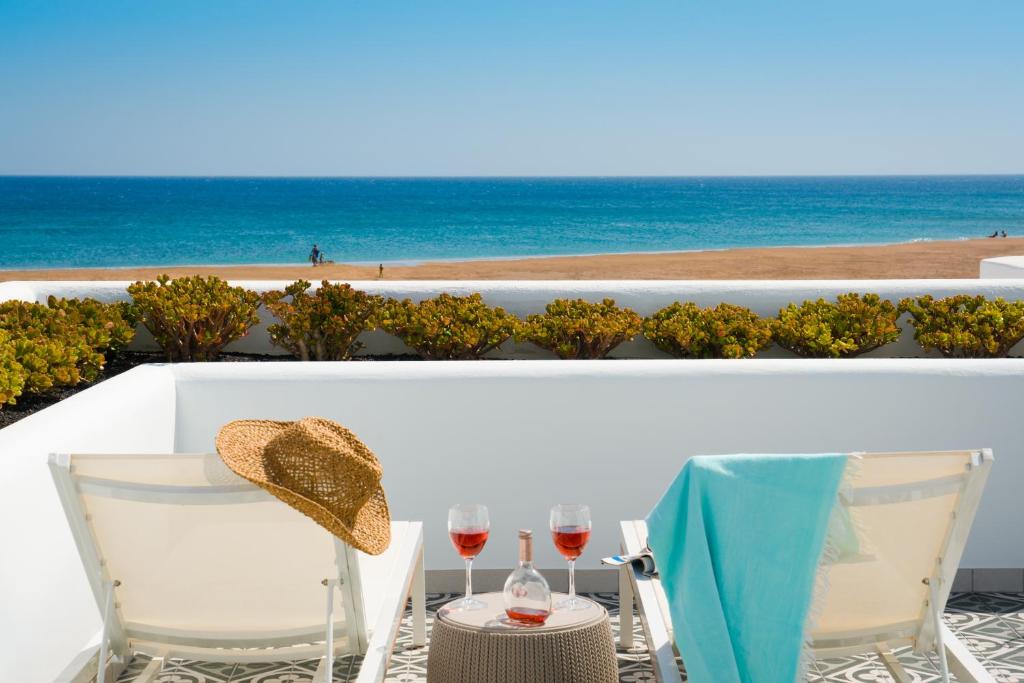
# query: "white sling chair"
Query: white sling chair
913,512
188,560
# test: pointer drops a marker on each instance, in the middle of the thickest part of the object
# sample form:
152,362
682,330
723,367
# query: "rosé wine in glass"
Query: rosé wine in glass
570,540
570,530
468,527
469,542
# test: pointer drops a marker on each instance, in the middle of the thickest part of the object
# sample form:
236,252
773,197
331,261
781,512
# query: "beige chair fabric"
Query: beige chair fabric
244,569
187,559
901,506
907,518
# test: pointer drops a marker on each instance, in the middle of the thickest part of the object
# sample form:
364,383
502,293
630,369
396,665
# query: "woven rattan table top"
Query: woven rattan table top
492,616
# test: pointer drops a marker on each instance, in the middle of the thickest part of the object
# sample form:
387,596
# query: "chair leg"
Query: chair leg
933,607
152,670
961,662
419,603
892,664
108,615
327,663
322,673
115,666
625,608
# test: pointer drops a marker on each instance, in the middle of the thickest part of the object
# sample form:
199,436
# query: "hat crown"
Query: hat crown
324,462
315,466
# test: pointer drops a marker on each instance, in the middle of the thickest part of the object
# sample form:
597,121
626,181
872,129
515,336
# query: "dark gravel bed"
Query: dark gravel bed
27,405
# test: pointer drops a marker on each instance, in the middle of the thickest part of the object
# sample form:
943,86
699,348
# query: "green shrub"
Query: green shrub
107,327
849,327
448,327
966,326
59,344
194,318
49,363
12,374
580,329
52,347
323,325
685,330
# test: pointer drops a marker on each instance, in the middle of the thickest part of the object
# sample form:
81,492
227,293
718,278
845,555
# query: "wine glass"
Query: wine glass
468,527
570,529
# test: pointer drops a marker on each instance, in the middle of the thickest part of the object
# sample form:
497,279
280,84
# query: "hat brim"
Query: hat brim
370,531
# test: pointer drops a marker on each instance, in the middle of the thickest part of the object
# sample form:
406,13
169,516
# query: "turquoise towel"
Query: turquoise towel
737,540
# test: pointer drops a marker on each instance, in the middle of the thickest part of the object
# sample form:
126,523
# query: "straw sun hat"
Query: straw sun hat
317,467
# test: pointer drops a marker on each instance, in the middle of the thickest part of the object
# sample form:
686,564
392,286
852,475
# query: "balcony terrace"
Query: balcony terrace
520,436
992,624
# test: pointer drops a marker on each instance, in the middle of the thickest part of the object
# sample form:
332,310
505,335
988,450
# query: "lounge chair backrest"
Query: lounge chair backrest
203,558
906,524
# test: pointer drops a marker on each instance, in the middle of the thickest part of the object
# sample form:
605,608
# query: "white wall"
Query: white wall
523,436
517,436
523,298
17,290
47,612
1003,267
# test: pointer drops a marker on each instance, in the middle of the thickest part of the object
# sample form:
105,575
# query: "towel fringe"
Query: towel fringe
829,556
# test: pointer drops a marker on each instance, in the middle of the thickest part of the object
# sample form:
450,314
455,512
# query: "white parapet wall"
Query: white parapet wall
764,297
48,611
1003,267
25,291
517,436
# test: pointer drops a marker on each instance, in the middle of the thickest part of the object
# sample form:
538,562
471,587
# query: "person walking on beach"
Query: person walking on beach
314,256
380,272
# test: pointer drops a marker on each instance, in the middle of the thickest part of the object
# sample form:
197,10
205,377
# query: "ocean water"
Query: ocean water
82,222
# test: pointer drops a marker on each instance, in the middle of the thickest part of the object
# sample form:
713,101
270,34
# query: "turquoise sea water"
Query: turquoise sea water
82,222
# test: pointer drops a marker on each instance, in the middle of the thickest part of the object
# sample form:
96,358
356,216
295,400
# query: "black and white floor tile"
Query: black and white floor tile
990,624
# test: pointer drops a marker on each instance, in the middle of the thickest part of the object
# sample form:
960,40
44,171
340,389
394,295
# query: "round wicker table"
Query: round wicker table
483,646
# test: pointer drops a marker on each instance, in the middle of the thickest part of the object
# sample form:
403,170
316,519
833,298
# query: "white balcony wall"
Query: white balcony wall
523,298
1003,267
517,436
522,436
48,612
26,291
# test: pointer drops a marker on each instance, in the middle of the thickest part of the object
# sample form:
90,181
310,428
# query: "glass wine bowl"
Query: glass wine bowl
570,530
468,527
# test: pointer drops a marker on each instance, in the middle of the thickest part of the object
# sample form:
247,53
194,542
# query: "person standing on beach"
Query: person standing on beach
314,255
380,272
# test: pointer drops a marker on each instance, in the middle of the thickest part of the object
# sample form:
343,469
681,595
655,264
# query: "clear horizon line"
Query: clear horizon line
509,176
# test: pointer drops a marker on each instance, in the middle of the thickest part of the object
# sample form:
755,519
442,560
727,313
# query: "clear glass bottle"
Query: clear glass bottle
527,595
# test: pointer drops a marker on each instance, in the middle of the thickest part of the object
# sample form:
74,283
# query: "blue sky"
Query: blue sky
382,87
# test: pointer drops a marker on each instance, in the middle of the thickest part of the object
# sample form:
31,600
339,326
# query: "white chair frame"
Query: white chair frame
649,597
117,641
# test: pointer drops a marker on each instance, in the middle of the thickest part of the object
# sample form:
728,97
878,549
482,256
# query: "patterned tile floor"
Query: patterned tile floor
991,624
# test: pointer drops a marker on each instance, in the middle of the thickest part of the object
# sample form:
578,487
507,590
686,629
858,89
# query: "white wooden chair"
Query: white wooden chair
913,512
188,560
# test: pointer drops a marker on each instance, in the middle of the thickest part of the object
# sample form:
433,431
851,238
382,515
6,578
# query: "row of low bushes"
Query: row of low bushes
325,324
58,344
194,318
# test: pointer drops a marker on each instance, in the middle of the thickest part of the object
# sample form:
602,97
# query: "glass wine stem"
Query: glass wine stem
572,580
469,579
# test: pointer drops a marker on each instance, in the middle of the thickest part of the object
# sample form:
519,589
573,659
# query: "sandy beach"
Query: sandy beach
952,259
